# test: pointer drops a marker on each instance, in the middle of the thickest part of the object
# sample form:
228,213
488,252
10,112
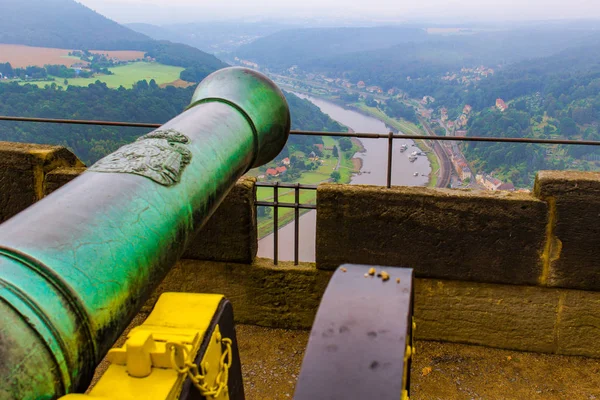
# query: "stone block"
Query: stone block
283,296
494,237
23,168
515,317
503,316
578,323
231,233
572,253
60,177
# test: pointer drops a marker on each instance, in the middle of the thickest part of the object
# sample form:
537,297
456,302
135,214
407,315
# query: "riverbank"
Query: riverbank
369,156
403,127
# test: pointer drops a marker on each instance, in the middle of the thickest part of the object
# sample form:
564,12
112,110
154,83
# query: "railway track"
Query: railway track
444,159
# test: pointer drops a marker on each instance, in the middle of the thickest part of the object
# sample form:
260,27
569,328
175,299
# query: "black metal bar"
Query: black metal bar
287,205
287,185
450,138
389,164
297,224
80,122
333,134
275,221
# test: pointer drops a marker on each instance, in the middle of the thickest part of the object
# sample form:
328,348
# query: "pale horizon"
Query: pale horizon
339,12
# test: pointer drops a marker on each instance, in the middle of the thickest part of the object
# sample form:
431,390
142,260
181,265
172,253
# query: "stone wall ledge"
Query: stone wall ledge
23,168
572,251
494,237
515,317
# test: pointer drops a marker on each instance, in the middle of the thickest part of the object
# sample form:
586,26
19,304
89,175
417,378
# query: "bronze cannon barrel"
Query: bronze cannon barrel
76,267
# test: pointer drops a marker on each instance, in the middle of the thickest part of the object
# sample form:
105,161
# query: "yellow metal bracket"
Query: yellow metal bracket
159,354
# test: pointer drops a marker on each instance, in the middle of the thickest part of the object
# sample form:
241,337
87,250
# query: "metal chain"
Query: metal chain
199,379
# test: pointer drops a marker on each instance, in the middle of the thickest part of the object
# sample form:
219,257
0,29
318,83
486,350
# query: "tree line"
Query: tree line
144,102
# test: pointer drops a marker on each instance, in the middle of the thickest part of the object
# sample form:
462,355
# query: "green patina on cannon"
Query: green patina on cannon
77,266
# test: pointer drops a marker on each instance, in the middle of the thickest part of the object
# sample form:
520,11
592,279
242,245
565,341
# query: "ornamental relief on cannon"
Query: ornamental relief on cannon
161,155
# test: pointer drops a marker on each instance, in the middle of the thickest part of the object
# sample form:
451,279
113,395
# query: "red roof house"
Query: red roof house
501,105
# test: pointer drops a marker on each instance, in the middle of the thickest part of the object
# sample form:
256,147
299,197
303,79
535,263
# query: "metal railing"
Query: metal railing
297,206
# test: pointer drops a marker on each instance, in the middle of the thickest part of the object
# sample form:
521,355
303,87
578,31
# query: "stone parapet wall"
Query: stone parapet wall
548,238
282,296
526,318
23,168
572,253
440,233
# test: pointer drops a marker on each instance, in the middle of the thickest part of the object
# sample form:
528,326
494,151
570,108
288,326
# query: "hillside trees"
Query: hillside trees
144,102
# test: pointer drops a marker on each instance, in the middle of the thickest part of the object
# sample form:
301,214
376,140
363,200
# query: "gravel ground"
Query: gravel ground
271,361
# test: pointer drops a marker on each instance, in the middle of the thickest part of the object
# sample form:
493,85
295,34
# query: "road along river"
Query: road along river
373,172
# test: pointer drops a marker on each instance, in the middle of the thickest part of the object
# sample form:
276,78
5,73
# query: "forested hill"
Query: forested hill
67,24
563,73
214,37
289,47
391,67
64,24
145,102
550,97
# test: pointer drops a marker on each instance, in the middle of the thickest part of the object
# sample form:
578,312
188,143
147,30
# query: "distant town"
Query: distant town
463,174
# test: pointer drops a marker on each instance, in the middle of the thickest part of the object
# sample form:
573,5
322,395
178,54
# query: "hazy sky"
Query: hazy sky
155,11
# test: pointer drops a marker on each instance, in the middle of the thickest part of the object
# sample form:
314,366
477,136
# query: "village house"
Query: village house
426,113
272,172
374,89
467,109
360,85
286,161
491,183
461,167
444,114
427,100
501,105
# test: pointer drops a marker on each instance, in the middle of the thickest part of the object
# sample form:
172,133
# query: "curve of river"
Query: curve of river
373,172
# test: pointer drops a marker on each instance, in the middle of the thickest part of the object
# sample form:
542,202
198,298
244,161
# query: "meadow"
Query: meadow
125,76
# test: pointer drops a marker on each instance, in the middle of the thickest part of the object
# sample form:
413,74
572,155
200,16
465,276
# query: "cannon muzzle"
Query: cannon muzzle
76,267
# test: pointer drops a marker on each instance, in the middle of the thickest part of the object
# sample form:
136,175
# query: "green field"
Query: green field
125,76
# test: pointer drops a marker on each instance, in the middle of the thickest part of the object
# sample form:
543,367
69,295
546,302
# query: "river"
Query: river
373,172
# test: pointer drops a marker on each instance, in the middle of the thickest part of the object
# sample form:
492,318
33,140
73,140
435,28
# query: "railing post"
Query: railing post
389,164
275,221
297,224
